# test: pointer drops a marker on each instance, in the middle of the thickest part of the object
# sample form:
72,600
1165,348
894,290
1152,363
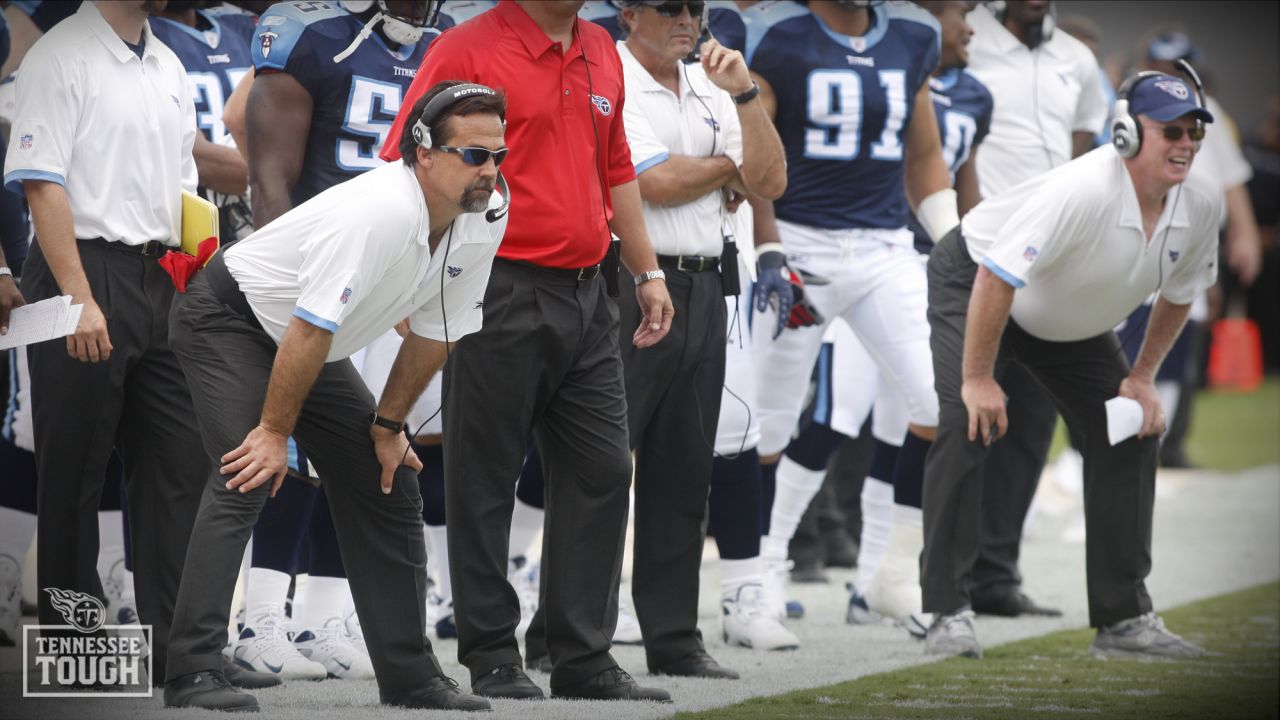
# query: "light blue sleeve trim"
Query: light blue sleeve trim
655,160
1002,273
316,320
13,181
759,18
915,13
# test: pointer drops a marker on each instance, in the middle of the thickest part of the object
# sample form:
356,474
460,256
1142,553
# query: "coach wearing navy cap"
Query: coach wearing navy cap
1039,275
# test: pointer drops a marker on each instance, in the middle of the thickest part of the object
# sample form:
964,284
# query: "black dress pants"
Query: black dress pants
544,365
137,402
673,401
228,362
1119,481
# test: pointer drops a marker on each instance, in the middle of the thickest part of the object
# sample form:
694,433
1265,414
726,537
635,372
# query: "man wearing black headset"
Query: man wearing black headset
1038,276
264,336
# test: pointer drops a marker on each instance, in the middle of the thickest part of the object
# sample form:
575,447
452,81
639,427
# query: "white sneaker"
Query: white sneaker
628,630
113,586
331,648
523,574
10,600
747,622
953,635
895,589
1143,636
774,585
264,646
355,633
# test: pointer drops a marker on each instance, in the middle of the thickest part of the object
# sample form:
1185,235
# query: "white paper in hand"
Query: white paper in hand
37,322
1124,419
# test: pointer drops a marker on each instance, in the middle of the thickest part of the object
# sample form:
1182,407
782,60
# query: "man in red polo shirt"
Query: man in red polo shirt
546,363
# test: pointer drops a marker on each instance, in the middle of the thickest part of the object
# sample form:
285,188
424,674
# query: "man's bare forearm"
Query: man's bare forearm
55,231
417,362
297,365
628,225
682,179
764,162
1166,322
988,314
220,167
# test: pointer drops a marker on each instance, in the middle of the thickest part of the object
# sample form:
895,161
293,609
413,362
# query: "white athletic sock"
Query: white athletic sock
796,487
438,543
877,519
17,530
321,599
908,516
265,588
110,540
736,573
526,523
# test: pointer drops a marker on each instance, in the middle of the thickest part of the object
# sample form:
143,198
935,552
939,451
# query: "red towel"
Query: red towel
182,267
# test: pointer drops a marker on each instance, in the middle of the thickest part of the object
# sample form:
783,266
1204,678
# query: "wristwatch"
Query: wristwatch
392,425
5,271
648,275
749,95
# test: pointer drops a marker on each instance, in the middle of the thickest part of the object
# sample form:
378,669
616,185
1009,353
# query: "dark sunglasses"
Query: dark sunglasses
672,8
1173,133
476,155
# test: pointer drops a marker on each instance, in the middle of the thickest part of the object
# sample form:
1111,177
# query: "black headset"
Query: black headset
437,105
1126,130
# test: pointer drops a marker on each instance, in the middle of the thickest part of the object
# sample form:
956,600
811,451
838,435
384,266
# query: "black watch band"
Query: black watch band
749,95
393,425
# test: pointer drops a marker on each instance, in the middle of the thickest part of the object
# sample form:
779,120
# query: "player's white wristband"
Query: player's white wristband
938,213
769,247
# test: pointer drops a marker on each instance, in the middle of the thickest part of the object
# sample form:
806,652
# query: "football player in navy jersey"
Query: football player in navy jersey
212,41
328,82
847,85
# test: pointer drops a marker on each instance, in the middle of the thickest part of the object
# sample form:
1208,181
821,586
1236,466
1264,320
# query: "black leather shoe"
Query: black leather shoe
1011,604
541,664
506,681
438,693
247,679
698,664
611,684
208,689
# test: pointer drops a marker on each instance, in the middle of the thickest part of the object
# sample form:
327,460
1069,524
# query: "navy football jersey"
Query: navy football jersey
604,14
216,57
963,106
354,101
844,104
724,20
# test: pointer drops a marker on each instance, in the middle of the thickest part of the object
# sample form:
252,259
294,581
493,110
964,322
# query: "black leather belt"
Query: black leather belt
585,273
227,290
688,263
150,249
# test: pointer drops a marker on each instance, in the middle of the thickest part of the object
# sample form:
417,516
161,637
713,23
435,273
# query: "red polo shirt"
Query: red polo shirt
554,170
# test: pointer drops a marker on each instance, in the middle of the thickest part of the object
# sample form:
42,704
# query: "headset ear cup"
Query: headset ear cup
1126,133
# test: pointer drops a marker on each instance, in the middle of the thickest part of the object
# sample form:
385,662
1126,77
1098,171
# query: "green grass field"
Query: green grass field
1229,430
1054,676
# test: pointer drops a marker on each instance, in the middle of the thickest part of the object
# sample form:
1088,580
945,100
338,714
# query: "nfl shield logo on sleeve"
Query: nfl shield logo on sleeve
1030,254
25,141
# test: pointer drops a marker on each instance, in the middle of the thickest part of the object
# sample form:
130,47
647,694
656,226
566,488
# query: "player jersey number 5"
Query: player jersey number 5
371,109
834,109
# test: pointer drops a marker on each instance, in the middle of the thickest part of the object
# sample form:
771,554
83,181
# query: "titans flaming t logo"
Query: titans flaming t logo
82,611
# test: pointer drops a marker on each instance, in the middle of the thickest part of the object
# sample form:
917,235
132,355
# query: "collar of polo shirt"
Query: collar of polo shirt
536,42
112,41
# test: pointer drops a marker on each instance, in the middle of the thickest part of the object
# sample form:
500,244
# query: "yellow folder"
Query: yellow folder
199,222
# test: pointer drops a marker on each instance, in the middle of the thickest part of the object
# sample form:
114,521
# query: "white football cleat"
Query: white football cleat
748,623
894,591
331,648
774,584
355,633
264,646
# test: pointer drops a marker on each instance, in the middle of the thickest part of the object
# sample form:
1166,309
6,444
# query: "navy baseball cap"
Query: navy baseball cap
1165,98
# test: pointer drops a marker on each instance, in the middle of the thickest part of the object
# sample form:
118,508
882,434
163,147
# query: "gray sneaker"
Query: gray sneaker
953,634
1143,636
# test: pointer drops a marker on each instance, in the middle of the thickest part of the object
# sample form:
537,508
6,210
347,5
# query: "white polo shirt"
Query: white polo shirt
1072,242
702,122
1041,97
114,130
354,260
